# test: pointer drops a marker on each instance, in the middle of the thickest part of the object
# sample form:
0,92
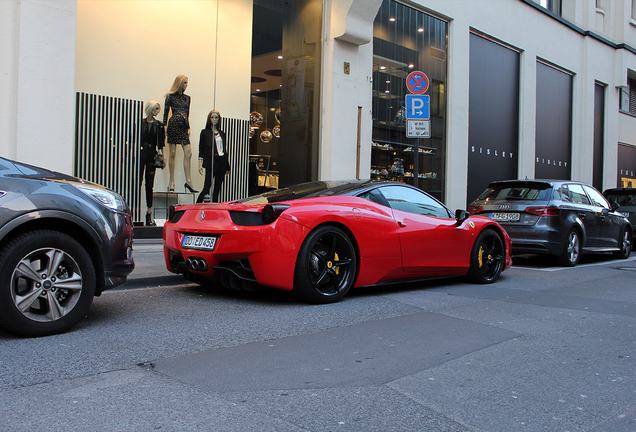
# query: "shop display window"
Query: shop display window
286,50
407,40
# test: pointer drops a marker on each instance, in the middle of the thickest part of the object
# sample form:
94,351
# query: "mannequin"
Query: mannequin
213,156
152,138
178,130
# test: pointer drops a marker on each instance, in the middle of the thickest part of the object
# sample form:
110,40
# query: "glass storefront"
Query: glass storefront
286,56
407,40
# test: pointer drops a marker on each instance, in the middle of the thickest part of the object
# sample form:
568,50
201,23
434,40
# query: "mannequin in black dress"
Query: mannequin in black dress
178,128
213,156
152,139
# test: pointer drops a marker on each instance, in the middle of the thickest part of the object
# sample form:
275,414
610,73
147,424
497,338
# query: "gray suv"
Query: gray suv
558,217
62,241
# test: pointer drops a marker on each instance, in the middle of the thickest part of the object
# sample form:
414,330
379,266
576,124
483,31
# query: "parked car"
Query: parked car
626,199
557,217
62,242
320,239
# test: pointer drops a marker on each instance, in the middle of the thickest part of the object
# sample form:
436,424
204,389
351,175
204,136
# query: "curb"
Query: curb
152,281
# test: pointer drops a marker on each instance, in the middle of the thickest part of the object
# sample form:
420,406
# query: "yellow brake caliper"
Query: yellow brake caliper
336,259
481,252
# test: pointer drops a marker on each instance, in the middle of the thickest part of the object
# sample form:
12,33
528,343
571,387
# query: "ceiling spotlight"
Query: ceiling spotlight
421,30
392,19
280,57
411,65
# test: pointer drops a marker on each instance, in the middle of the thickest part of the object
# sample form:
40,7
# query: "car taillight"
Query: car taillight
544,211
272,211
475,209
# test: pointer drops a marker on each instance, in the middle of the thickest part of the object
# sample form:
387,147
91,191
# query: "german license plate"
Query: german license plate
505,217
198,242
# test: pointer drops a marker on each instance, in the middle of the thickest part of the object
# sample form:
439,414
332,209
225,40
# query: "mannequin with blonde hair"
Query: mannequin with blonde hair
152,139
178,128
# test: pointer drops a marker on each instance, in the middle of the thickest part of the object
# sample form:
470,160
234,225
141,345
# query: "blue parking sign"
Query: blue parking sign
418,107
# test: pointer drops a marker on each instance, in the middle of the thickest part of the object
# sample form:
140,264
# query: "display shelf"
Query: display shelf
163,200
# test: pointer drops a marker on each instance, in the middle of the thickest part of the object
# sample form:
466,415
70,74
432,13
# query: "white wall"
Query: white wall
134,49
348,29
38,56
9,18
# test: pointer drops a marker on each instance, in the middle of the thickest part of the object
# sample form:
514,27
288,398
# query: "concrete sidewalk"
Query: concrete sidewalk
150,267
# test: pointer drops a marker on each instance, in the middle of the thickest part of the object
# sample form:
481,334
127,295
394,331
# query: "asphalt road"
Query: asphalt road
543,349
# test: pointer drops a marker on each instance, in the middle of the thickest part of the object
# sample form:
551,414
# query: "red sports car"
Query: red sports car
321,239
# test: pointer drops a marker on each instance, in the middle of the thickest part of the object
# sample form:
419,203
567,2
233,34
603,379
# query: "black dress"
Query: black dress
152,138
179,123
214,164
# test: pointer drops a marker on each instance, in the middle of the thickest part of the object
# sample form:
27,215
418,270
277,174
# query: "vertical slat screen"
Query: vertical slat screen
107,134
237,134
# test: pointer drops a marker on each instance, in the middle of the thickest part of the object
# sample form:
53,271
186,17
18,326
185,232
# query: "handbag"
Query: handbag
160,161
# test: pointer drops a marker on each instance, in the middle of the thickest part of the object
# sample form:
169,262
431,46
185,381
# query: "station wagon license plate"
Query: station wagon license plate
198,242
504,217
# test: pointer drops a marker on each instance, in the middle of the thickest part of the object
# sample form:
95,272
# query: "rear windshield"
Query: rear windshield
517,191
622,199
303,190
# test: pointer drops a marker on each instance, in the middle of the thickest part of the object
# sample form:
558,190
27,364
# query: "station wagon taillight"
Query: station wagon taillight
475,209
544,211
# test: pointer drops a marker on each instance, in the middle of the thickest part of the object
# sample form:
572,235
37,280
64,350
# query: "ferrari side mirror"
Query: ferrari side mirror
461,216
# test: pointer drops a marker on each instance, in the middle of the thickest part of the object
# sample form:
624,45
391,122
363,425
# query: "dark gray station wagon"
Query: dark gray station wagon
557,217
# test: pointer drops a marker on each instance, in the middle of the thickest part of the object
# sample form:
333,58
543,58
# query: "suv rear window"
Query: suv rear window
622,199
517,191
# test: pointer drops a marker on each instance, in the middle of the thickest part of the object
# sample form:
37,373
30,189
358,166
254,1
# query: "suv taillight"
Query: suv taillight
475,209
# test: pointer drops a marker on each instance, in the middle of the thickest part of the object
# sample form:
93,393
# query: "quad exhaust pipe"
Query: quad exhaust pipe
197,264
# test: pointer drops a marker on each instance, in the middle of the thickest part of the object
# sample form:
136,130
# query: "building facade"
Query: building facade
316,89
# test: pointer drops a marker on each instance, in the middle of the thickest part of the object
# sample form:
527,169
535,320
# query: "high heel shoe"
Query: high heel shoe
188,187
171,188
149,221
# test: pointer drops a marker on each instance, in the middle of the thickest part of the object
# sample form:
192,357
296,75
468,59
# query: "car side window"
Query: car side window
414,201
596,197
376,197
577,194
562,193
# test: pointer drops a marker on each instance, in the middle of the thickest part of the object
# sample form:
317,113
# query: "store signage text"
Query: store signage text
489,152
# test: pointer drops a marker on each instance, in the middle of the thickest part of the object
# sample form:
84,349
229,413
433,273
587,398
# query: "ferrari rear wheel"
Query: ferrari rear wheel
326,266
487,259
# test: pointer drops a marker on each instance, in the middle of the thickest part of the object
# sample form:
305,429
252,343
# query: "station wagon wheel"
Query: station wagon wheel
487,258
625,243
47,283
326,266
572,249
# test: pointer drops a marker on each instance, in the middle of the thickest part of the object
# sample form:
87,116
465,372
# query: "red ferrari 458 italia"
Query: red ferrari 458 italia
321,239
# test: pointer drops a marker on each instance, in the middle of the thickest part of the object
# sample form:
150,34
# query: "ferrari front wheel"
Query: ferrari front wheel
326,266
487,259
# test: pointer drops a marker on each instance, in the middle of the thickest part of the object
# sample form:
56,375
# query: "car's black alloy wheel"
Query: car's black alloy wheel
487,259
625,243
47,283
326,266
572,250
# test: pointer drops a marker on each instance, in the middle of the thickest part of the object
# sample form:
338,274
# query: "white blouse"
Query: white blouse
219,143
